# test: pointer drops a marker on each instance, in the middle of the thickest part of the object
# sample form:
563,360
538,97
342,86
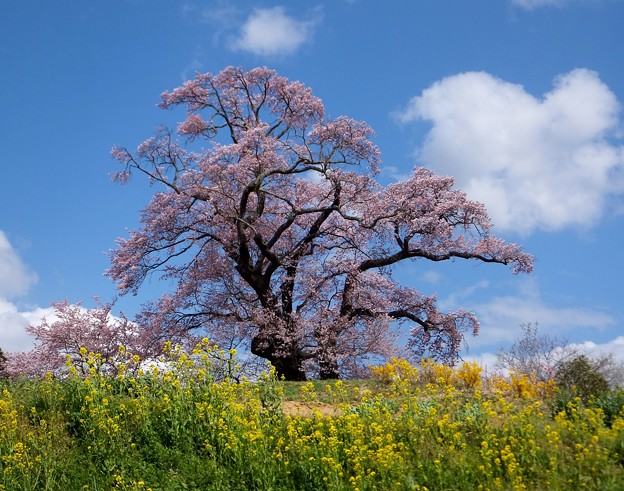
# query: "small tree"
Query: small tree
276,232
581,376
75,328
535,355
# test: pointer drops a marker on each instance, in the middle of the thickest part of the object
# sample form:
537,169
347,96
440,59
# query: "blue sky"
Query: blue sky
520,100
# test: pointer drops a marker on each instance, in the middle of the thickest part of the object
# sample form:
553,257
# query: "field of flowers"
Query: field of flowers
406,428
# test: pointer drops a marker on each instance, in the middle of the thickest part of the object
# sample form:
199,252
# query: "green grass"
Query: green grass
181,431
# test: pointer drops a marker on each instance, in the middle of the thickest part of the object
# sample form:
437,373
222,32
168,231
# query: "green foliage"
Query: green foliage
580,377
612,405
179,429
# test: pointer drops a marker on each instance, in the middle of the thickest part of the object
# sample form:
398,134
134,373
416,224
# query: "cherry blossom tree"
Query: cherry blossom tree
269,222
73,331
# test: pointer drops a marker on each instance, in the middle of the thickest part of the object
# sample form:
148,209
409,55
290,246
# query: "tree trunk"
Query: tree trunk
329,370
326,356
288,366
288,369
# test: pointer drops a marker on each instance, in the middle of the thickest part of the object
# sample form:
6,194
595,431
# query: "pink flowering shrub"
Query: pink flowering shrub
73,333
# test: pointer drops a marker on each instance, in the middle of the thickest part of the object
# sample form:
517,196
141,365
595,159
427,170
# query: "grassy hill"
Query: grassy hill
406,428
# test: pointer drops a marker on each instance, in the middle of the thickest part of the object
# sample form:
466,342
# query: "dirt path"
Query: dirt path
296,408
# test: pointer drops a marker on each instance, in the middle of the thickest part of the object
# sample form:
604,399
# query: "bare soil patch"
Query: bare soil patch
297,408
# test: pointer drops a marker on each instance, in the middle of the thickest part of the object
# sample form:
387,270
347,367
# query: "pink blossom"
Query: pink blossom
74,329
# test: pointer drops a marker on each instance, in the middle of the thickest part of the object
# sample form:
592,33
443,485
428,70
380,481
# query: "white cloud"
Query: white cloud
485,360
13,322
15,280
615,346
15,277
535,4
544,163
501,317
192,67
270,32
393,173
221,15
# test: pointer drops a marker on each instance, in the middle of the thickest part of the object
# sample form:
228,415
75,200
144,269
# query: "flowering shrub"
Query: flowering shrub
469,375
395,369
184,425
435,373
522,386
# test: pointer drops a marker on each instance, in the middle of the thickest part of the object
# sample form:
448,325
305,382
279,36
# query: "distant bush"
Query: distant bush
468,375
581,377
612,405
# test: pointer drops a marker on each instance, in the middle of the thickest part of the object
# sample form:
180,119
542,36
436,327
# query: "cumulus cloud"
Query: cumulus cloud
14,321
15,277
615,347
270,32
537,163
502,316
485,360
15,280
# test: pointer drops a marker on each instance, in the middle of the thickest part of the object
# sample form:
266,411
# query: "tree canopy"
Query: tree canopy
269,222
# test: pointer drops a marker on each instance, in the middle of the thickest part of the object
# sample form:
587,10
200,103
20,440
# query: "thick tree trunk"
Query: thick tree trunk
288,369
288,366
329,371
327,359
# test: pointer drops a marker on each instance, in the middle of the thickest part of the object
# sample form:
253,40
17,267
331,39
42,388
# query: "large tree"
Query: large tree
278,233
